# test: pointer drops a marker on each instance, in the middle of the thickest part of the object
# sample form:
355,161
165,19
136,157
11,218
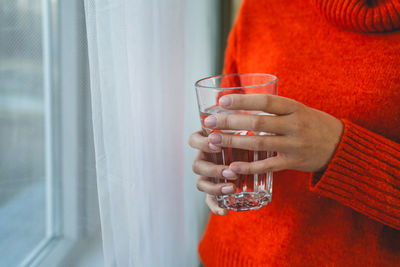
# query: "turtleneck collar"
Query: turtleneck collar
362,15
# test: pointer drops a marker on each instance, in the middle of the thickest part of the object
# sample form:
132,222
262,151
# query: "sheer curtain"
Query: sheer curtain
143,58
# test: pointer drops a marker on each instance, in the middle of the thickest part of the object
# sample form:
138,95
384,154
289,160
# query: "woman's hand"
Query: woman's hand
305,138
209,171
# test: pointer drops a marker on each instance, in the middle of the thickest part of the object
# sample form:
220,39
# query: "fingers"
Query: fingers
198,141
262,166
209,169
268,103
259,123
250,142
205,185
212,190
213,205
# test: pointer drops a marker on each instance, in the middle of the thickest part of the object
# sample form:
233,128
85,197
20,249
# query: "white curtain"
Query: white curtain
144,56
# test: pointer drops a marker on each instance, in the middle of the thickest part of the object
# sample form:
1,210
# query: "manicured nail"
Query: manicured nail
210,121
225,101
215,138
235,168
227,173
221,212
212,147
228,189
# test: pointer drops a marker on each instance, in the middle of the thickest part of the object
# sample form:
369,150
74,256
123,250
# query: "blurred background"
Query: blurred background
49,212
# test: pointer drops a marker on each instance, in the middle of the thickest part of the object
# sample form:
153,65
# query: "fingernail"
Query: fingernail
225,101
210,121
215,138
227,189
221,212
235,168
212,147
227,173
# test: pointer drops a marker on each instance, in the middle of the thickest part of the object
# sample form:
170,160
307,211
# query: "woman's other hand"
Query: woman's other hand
209,171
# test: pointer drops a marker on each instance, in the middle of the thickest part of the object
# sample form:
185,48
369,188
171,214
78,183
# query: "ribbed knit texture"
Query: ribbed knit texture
365,16
329,56
365,175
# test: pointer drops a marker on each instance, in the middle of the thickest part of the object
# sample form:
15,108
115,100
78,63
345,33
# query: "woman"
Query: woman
337,183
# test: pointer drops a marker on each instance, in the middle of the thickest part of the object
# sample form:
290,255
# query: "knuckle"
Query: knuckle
252,168
196,140
217,171
299,144
200,154
258,144
246,168
268,168
191,140
257,123
216,190
222,120
227,140
199,185
299,106
229,122
298,126
295,128
262,167
267,100
236,101
195,166
204,145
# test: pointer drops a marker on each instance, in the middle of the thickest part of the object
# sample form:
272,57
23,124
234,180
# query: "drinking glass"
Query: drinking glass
253,191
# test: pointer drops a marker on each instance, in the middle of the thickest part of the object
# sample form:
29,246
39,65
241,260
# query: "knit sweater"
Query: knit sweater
341,57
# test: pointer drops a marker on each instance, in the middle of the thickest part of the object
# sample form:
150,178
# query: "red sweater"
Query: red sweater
342,57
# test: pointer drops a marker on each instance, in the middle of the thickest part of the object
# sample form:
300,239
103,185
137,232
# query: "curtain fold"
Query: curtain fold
136,55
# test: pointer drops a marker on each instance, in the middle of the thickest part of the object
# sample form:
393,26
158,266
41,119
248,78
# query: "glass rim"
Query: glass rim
198,85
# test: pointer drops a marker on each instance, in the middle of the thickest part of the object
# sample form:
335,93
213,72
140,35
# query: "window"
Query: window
48,200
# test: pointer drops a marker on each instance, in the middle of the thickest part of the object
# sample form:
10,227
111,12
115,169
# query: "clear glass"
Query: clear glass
22,134
252,191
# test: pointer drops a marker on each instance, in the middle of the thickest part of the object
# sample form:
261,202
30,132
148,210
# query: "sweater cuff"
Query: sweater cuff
363,174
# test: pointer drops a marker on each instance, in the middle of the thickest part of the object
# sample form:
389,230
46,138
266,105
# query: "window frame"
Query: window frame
67,195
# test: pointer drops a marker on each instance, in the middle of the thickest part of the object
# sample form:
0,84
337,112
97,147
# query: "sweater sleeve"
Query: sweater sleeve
364,174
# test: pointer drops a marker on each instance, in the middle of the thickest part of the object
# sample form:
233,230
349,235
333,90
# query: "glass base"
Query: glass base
244,201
